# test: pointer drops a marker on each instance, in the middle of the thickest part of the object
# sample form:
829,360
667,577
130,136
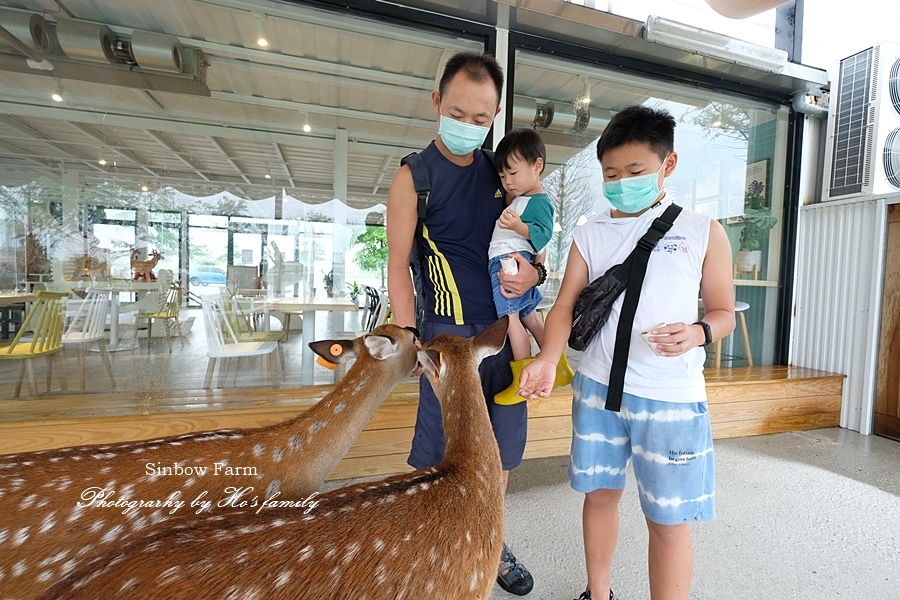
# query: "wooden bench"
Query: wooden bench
742,401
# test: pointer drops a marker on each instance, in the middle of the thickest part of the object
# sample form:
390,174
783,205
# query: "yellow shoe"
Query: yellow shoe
564,374
508,396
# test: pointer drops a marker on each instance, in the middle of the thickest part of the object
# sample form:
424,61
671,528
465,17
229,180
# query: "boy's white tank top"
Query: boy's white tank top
670,294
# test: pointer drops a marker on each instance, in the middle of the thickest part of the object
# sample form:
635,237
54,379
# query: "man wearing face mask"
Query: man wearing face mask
663,424
450,256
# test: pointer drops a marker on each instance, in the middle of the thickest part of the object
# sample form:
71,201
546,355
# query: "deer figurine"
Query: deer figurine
56,512
432,533
143,269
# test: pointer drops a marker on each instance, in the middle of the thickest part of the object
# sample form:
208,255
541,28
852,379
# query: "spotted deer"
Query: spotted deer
59,506
432,533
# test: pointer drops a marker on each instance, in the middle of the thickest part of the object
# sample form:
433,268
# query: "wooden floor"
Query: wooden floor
742,401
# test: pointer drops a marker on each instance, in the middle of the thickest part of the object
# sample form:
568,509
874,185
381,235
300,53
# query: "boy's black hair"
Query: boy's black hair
523,143
479,67
639,125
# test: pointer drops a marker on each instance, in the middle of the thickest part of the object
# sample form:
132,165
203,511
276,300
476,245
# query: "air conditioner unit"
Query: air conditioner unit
862,157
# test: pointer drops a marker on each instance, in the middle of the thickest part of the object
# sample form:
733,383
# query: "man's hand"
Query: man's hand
513,286
537,379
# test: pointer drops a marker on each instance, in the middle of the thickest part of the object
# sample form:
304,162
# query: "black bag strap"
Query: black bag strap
422,183
638,258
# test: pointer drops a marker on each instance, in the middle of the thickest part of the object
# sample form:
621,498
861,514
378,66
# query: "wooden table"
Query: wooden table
7,300
308,307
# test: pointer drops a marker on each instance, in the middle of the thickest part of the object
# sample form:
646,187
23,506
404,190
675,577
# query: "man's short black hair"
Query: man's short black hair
479,67
639,125
523,143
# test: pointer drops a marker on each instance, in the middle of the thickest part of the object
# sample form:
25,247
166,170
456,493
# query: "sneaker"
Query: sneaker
586,595
513,576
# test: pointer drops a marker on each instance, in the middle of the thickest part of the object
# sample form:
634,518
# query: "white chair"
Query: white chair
383,311
88,326
223,342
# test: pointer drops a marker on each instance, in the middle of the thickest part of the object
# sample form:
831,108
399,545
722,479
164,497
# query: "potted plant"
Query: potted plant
354,290
758,220
328,280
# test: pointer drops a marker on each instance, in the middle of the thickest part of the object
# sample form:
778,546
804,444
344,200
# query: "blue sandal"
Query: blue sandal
512,576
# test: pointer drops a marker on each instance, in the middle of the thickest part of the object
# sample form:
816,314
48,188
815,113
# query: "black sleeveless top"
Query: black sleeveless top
463,206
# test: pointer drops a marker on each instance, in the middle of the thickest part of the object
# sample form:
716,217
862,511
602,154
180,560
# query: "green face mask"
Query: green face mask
633,194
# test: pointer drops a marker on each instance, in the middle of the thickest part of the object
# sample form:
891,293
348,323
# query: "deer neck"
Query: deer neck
467,426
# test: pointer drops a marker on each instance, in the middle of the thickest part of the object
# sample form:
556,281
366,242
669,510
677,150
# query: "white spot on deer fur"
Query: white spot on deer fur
18,568
339,407
137,450
462,489
28,501
48,522
294,443
258,450
112,534
189,481
410,491
278,454
169,575
474,581
331,551
3,535
53,559
283,578
379,544
468,536
20,537
76,513
277,544
432,554
273,488
128,584
316,426
352,551
97,526
44,576
305,553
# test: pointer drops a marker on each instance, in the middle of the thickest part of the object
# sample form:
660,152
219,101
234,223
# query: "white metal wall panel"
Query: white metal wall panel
837,310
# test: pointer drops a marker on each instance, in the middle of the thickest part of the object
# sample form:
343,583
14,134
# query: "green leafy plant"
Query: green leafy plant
328,280
758,218
373,255
354,290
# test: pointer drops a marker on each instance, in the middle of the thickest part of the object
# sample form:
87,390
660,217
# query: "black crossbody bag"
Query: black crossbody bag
595,303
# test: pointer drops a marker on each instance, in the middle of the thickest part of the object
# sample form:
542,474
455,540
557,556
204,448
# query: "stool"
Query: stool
739,308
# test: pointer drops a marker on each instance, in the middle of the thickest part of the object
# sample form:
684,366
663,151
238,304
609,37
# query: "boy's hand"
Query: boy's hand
676,338
537,379
513,286
510,219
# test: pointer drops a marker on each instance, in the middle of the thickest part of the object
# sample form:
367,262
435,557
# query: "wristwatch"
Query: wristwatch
707,333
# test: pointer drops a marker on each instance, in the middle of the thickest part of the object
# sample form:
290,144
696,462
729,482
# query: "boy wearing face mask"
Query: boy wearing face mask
663,423
451,261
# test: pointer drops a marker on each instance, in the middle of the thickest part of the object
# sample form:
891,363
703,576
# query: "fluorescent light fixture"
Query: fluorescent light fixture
268,174
713,45
57,94
261,40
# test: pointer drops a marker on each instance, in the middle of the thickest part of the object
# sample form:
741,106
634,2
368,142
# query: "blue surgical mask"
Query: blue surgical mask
631,195
461,138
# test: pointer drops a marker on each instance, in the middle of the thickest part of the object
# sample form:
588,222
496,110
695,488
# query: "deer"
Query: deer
57,509
143,269
378,540
85,265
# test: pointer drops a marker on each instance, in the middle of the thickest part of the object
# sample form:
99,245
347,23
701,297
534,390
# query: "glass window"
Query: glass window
277,160
731,167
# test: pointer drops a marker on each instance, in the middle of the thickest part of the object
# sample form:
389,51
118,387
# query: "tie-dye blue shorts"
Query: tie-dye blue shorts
671,444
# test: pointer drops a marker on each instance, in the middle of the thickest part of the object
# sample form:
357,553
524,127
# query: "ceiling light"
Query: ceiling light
144,187
268,175
101,161
306,128
261,39
586,94
57,94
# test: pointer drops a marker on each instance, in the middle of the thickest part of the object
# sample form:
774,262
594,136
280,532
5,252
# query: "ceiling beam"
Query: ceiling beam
384,167
218,144
108,141
75,155
284,164
178,152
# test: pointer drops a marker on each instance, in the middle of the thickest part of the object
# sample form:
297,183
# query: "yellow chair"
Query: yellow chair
45,320
168,312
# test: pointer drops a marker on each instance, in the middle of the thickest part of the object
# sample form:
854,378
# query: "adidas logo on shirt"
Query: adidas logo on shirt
498,193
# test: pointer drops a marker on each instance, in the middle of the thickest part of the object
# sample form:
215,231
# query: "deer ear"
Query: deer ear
333,352
380,346
491,340
432,363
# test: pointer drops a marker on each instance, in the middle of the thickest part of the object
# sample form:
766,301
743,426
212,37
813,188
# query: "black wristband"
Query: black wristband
542,273
707,332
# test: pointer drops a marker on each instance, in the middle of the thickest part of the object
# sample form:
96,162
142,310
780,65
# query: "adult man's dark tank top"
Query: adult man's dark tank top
463,206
